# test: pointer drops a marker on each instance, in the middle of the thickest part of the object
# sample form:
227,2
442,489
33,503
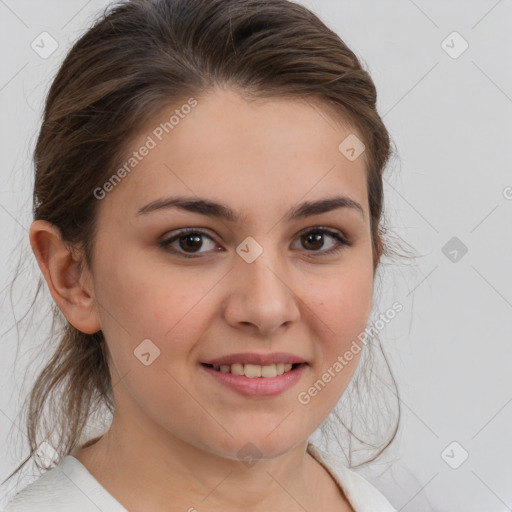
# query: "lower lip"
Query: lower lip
258,386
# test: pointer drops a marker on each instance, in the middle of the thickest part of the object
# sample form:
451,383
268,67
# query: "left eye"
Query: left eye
314,238
190,241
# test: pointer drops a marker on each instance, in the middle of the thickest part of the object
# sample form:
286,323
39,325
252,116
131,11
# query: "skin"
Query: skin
176,431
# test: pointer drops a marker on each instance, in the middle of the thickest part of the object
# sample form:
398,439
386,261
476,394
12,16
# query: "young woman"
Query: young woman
207,217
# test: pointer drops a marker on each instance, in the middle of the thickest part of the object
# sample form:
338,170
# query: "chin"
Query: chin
256,444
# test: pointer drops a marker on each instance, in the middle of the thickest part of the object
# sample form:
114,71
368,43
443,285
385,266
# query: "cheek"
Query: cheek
342,302
151,300
339,313
170,310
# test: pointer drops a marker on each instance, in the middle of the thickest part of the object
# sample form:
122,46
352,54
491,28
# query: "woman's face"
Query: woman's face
261,280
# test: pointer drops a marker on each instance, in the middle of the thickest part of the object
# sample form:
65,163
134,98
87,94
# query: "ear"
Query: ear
70,287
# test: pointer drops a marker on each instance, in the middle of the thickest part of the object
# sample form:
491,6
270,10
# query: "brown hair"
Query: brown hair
141,56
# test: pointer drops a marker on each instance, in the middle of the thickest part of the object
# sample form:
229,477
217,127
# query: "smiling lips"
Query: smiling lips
253,365
254,374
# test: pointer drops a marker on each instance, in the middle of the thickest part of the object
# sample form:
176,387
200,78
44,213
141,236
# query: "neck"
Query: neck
149,472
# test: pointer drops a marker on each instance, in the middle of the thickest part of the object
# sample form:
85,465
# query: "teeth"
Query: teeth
255,370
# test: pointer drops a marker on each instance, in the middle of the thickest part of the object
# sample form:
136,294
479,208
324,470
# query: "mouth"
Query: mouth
254,371
256,381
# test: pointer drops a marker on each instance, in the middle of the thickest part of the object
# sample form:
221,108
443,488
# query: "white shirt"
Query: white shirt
70,487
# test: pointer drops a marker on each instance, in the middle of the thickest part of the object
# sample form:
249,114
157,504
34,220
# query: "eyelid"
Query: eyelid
342,241
325,229
166,241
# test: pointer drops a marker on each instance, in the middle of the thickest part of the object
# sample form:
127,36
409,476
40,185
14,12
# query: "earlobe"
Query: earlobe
69,287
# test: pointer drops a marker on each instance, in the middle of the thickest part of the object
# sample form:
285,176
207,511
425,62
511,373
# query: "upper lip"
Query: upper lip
255,358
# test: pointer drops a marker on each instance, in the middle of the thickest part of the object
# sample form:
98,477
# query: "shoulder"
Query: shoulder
48,492
363,496
67,486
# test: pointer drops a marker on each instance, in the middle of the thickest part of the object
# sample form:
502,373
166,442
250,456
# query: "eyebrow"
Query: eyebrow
214,209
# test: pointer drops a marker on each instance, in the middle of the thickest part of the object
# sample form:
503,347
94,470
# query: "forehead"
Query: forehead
243,152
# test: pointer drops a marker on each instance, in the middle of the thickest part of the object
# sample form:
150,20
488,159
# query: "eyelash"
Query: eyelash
341,244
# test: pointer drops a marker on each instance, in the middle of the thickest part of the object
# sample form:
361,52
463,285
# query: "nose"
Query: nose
260,297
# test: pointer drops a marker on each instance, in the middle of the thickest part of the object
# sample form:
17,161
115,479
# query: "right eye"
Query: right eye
188,242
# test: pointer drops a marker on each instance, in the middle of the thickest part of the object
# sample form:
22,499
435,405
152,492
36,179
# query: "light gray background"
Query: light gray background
451,347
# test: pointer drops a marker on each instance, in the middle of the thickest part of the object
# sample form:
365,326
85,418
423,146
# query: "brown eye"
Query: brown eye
314,240
192,242
189,243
